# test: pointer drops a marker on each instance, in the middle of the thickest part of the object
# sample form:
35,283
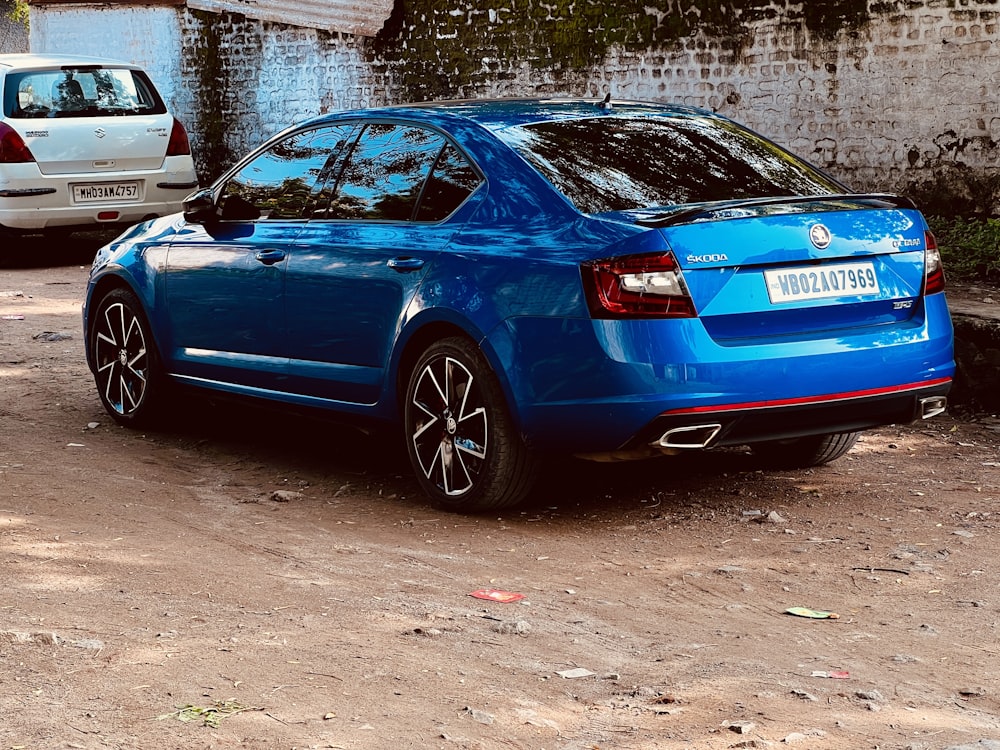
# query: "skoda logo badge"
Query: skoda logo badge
820,236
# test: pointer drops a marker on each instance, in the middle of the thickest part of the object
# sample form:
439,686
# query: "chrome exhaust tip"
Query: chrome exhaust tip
693,437
932,406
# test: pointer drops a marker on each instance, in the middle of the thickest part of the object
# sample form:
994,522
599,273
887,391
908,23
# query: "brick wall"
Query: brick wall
887,95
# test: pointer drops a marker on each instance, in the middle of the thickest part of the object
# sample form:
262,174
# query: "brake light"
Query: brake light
637,286
13,149
933,267
179,144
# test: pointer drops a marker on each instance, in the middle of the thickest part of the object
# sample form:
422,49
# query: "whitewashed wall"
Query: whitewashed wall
908,95
146,36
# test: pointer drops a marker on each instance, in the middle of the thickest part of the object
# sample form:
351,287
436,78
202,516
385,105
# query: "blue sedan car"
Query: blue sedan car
502,280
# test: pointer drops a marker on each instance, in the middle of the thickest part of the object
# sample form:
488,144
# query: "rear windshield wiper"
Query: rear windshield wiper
111,110
667,219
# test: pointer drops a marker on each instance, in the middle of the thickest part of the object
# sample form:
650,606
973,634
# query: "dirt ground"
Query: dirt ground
247,579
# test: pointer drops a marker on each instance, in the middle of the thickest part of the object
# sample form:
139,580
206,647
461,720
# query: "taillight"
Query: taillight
13,149
637,286
933,268
179,144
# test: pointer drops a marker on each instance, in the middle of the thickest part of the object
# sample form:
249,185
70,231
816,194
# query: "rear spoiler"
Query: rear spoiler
690,213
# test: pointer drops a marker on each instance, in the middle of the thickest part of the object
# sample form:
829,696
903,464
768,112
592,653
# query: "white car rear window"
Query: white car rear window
79,92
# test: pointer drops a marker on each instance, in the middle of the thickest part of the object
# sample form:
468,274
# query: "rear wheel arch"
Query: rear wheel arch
423,338
463,444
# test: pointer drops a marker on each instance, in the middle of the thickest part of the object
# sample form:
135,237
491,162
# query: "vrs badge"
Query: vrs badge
820,236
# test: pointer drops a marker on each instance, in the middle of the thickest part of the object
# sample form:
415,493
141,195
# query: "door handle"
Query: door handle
405,264
270,257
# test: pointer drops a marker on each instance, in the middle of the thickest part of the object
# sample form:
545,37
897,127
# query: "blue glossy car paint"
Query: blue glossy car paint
333,313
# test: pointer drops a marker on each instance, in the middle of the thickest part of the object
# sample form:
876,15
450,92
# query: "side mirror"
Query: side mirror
199,207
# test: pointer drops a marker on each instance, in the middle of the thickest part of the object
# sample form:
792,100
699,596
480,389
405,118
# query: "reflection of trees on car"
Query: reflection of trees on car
390,170
111,93
83,93
285,200
68,93
385,173
451,182
279,183
636,163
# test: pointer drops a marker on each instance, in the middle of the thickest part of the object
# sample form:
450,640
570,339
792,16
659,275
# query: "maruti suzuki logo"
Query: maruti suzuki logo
100,132
820,236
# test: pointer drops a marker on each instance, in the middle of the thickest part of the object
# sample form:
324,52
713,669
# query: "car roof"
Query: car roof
34,61
498,114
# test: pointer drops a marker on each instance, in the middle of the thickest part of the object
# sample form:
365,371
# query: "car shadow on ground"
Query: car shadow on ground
318,451
43,251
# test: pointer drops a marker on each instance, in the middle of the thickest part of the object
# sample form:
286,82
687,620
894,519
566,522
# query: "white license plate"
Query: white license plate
106,191
821,282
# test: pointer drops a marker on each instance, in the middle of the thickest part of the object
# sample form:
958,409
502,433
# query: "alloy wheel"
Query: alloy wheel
122,362
451,425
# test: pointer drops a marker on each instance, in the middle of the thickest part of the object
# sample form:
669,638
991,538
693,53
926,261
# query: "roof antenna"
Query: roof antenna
606,104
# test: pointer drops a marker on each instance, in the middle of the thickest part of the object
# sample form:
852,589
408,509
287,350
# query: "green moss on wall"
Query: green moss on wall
209,64
441,48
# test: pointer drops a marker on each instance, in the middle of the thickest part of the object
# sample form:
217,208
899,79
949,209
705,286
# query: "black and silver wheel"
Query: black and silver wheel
460,437
800,453
125,363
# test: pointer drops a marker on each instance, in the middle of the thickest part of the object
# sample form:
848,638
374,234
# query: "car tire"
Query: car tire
127,370
459,434
799,453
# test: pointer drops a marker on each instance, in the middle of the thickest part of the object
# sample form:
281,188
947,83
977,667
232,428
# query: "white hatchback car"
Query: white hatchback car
86,142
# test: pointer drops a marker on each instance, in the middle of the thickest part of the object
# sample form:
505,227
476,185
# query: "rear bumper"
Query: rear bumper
739,424
32,202
598,386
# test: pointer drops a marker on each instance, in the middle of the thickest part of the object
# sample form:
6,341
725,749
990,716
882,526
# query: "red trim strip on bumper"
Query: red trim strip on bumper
803,400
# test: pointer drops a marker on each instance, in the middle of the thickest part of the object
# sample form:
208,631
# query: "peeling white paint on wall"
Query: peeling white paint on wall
146,36
899,98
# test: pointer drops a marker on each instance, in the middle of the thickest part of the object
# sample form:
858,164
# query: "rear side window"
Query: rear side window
279,183
451,182
400,173
618,163
80,92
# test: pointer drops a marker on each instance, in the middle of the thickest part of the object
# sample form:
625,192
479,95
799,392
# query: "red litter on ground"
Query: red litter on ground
504,597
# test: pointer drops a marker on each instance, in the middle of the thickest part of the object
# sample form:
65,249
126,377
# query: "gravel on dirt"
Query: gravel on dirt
252,579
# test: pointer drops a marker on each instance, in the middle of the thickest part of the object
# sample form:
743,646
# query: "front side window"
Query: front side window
279,183
619,163
387,171
80,92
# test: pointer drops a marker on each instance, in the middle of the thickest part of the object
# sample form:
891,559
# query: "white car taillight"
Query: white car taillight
637,286
179,144
13,149
933,267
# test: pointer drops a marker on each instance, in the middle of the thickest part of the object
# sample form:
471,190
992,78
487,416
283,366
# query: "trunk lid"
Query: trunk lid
71,145
86,117
779,268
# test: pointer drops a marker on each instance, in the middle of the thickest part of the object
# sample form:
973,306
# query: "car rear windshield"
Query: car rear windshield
80,92
620,163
